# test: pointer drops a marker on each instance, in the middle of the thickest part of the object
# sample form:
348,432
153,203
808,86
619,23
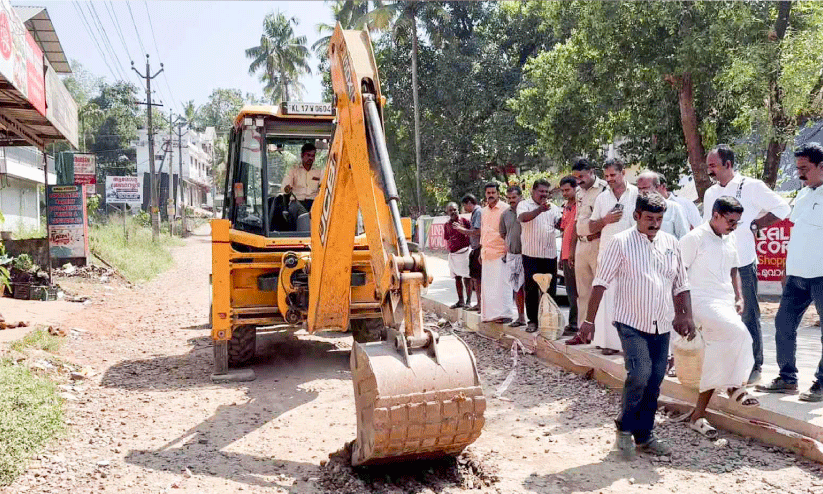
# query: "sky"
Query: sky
201,43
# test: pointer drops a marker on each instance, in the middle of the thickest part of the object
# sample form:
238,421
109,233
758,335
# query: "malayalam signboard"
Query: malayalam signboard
431,230
21,60
85,169
771,244
123,190
67,222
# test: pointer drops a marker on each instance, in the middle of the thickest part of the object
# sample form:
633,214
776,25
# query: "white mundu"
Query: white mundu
605,334
709,259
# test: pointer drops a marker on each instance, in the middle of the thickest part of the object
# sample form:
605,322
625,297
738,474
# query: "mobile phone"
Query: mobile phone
618,207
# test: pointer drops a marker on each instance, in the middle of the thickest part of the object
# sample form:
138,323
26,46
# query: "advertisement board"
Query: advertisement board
21,60
123,190
61,110
431,229
771,244
67,222
85,169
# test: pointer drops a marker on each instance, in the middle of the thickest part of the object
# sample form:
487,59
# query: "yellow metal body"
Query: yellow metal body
417,392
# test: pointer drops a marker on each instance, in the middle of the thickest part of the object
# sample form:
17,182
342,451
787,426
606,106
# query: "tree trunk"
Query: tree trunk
782,128
285,86
421,206
691,131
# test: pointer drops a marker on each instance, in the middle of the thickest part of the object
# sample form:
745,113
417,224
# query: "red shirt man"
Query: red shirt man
455,240
568,187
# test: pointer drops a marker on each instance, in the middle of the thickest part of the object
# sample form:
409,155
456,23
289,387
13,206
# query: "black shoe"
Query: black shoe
531,327
457,305
569,330
778,386
517,323
754,377
814,394
655,447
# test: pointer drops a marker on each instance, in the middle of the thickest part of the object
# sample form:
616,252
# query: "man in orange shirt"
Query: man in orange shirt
496,303
568,187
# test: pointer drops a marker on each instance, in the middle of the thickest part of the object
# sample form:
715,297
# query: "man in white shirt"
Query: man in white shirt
761,207
644,266
303,181
613,213
538,218
674,221
804,274
691,211
709,254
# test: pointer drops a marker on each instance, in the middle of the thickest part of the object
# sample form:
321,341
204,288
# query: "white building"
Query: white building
21,178
197,148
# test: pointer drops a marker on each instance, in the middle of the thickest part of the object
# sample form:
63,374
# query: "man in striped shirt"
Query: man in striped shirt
652,298
538,218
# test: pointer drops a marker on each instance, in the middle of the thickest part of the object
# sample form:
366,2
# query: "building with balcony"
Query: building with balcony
197,150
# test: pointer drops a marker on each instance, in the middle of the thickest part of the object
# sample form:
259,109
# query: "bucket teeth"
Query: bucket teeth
423,410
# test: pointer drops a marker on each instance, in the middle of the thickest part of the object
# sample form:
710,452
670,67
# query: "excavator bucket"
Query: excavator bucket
415,409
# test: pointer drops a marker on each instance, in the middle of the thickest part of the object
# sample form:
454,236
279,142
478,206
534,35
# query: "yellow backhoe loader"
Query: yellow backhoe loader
417,392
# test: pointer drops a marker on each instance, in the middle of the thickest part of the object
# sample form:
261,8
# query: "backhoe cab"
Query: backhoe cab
417,392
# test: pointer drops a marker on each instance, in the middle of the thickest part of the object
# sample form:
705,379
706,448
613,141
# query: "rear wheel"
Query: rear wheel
366,330
241,346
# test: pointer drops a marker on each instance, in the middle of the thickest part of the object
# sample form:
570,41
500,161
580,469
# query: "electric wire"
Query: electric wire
98,24
89,31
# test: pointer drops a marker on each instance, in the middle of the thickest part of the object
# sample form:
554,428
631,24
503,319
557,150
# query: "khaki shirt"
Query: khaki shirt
304,184
585,205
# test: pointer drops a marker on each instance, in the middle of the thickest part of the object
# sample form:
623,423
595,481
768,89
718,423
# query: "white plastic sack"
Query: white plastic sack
550,321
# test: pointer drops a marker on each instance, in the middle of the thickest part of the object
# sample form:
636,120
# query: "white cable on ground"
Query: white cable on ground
516,344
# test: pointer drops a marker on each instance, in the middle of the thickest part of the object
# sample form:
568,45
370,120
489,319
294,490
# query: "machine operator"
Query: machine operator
303,182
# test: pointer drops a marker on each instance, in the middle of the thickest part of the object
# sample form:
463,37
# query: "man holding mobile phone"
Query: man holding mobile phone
613,213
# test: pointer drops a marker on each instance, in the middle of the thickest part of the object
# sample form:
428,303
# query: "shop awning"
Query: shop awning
35,106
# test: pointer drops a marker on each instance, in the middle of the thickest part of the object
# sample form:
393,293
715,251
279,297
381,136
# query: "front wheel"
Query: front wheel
242,345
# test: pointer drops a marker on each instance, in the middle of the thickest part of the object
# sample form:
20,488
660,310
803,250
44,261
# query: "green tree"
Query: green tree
638,72
281,56
401,17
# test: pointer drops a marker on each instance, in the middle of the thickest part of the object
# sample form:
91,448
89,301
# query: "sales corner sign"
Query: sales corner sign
67,222
771,244
123,190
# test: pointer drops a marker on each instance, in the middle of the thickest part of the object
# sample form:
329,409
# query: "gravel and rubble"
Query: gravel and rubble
144,417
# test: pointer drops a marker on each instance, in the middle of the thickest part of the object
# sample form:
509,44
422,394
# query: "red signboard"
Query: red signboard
771,244
36,76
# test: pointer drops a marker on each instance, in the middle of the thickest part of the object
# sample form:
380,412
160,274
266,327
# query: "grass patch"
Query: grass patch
39,339
30,415
138,259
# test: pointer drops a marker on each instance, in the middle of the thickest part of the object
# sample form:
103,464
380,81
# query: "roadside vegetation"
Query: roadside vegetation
137,258
30,409
39,339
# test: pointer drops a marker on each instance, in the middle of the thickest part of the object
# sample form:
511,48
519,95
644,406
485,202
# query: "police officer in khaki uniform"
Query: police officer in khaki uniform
585,245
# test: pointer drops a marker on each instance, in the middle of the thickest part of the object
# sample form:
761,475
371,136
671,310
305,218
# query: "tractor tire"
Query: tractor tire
241,346
367,330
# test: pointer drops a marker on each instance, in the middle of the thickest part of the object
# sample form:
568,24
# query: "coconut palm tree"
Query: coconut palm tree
402,16
281,55
351,14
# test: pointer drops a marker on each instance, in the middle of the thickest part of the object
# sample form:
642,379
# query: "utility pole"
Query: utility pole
155,206
181,121
172,187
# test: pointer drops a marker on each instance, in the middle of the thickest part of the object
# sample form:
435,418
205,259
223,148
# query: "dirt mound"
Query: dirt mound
467,471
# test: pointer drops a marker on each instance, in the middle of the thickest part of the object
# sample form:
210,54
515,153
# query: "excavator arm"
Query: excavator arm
417,393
